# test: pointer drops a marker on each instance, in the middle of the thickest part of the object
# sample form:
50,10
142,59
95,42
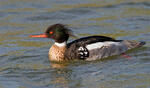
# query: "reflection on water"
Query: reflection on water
58,65
60,77
24,61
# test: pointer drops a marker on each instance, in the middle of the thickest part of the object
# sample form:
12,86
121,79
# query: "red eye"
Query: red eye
50,32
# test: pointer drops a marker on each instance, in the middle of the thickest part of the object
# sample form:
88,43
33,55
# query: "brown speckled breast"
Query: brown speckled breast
56,53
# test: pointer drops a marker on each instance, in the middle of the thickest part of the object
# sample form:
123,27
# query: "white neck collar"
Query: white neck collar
60,44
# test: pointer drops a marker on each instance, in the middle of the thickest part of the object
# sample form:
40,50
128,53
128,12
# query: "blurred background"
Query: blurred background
24,61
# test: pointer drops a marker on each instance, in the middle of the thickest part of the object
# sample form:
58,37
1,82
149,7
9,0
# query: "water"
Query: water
24,61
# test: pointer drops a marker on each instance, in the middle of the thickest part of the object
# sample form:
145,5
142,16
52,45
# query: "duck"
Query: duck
86,48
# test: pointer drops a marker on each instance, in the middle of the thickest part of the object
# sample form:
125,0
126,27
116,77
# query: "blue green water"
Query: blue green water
24,61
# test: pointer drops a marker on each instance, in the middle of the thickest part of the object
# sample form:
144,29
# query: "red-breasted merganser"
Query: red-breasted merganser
86,48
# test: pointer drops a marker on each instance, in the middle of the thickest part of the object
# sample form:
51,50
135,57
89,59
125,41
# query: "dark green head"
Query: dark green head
58,32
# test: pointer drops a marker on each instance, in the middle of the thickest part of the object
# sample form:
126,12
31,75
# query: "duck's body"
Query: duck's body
87,48
90,48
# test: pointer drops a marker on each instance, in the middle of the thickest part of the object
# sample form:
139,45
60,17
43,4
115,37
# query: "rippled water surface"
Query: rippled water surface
24,61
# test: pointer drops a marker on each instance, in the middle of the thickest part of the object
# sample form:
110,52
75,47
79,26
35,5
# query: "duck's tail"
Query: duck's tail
133,44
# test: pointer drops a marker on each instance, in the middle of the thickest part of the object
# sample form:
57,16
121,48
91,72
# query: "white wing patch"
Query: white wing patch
83,52
105,49
101,44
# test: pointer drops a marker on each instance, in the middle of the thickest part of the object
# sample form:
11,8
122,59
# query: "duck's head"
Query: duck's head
59,32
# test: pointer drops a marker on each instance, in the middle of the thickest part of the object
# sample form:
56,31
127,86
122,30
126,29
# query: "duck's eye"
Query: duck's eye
51,32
